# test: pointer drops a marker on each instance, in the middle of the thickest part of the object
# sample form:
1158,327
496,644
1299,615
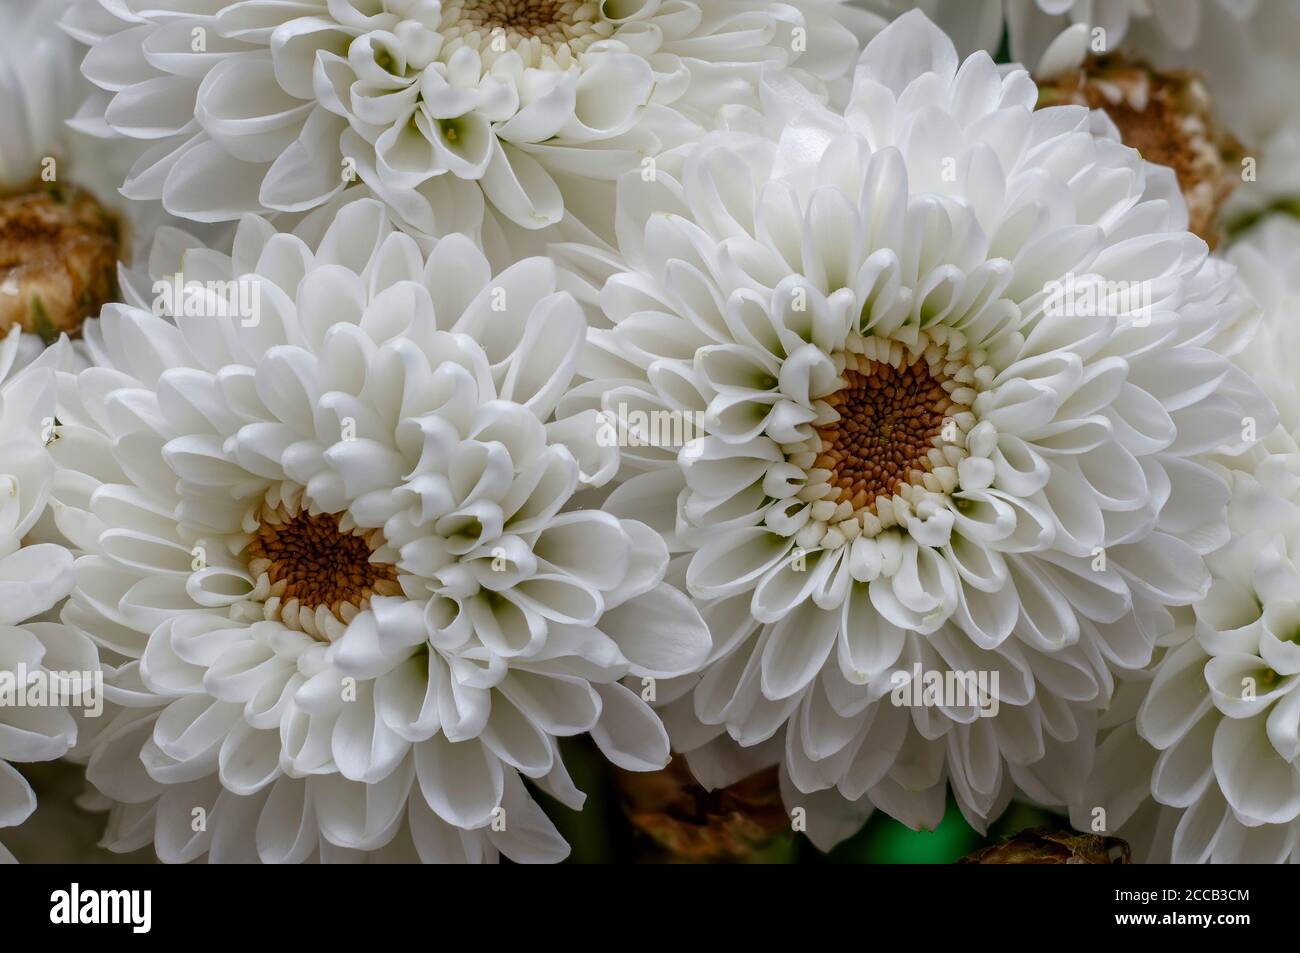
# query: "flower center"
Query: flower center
530,17
889,420
888,439
538,30
310,569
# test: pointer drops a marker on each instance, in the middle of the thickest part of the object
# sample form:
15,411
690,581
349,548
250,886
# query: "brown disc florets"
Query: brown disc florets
534,17
1166,116
889,419
547,25
305,562
888,437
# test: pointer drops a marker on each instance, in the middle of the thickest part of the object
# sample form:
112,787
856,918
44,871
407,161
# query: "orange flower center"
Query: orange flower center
889,421
310,560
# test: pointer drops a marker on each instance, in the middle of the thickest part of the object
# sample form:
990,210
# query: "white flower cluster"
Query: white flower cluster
778,385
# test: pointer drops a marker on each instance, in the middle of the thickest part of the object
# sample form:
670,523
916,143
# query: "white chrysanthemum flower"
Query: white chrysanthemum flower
63,225
434,104
331,543
41,91
1217,737
954,362
34,576
1034,26
1251,70
1240,69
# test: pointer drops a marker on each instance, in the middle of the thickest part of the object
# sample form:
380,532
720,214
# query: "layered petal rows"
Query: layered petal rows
954,361
327,545
1210,733
439,106
35,575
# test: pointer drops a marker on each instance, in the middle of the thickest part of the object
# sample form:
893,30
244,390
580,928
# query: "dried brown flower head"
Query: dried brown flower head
58,259
1167,117
1041,845
733,824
